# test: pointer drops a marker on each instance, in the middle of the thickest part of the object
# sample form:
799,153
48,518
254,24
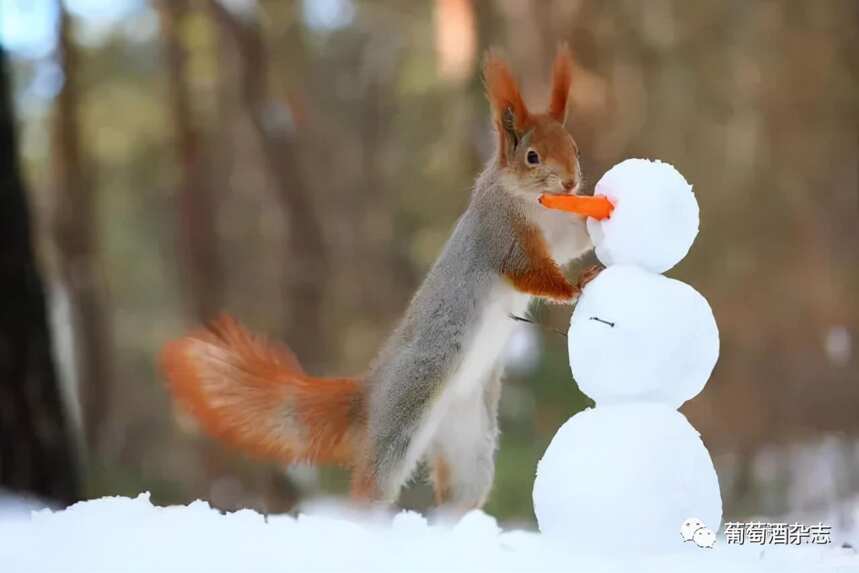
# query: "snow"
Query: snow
131,535
637,470
655,217
16,506
636,335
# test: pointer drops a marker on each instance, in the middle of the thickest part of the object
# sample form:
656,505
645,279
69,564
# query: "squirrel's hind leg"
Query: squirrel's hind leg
400,429
462,454
380,476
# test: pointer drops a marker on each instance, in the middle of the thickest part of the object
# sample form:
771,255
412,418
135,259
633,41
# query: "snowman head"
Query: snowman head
641,213
639,336
654,220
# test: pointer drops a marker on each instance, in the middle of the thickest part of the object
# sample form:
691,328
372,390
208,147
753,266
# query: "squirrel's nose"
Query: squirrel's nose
569,185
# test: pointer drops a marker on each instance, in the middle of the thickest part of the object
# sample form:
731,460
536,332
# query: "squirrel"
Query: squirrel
432,392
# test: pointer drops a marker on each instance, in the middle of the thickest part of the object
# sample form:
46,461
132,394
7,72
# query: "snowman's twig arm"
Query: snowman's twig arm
518,318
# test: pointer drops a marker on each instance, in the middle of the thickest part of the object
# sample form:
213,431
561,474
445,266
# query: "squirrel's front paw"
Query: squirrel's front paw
587,276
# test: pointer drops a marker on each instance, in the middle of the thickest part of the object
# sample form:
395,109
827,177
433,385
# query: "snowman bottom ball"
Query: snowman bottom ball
625,478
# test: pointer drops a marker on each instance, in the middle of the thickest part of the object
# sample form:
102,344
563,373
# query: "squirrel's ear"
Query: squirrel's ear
562,74
508,108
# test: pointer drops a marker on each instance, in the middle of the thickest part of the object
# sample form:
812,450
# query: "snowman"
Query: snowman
631,472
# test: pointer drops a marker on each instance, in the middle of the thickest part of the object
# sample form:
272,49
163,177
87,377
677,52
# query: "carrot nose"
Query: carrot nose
596,207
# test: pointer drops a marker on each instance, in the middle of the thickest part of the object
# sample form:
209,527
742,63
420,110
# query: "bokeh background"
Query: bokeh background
301,163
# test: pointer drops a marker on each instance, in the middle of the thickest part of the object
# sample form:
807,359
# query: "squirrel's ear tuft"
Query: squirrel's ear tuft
562,74
508,108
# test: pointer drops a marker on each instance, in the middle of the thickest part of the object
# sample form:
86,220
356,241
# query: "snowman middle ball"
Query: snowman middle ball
624,478
639,336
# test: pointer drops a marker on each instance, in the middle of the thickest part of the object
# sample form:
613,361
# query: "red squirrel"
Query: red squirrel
432,392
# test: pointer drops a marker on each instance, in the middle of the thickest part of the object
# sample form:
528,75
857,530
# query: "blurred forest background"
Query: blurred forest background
301,163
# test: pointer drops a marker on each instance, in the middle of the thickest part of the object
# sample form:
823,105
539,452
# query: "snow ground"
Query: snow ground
124,534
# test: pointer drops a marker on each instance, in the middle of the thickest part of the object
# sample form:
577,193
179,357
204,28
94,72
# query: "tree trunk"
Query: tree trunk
75,238
306,261
198,241
37,453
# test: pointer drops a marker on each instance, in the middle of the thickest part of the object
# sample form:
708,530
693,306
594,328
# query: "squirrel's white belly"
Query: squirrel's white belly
482,351
481,354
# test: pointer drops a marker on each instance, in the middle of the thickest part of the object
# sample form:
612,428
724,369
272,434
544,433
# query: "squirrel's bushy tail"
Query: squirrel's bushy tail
256,397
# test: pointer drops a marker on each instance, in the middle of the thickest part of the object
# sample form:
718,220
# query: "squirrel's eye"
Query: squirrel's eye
533,158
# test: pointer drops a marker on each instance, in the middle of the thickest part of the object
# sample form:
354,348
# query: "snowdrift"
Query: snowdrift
123,534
